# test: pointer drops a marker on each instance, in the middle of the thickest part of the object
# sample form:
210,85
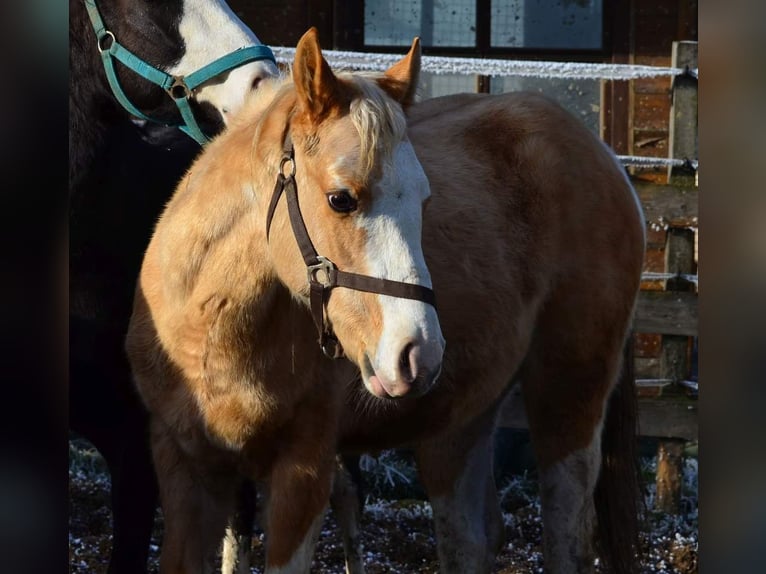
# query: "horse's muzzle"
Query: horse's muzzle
418,368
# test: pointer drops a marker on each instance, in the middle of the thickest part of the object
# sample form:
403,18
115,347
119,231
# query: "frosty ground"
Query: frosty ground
397,532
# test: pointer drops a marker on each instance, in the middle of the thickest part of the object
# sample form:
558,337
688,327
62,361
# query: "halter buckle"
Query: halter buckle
178,89
323,272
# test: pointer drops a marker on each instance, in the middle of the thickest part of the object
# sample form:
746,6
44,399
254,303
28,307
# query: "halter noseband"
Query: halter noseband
179,88
323,275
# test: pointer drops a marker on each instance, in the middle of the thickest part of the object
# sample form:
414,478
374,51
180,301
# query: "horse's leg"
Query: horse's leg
196,503
296,509
134,498
457,472
235,557
104,408
347,506
566,384
298,492
126,452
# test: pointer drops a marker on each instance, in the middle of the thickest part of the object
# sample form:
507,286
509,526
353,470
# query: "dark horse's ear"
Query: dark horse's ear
317,87
401,79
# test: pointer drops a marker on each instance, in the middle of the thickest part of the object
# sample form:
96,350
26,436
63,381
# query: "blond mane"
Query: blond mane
378,118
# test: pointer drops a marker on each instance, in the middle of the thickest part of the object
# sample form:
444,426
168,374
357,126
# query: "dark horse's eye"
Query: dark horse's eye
341,201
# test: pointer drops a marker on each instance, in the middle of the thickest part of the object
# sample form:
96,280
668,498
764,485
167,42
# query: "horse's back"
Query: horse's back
518,180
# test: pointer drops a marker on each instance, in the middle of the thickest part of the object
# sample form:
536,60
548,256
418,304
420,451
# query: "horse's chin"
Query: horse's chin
372,382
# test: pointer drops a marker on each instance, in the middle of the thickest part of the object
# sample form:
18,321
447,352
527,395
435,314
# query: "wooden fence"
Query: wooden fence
666,314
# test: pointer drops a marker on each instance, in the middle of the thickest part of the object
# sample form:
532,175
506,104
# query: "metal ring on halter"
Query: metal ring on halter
282,166
179,83
106,34
322,272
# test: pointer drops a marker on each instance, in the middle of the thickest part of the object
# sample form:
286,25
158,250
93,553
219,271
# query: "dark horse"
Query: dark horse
112,156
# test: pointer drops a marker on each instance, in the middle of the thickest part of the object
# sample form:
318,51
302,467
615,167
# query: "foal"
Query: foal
534,240
220,344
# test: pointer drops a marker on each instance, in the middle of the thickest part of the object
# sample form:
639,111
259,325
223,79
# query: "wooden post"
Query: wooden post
482,84
674,364
669,470
679,259
683,113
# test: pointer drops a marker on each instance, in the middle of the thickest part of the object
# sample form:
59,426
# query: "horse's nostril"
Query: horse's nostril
408,362
256,82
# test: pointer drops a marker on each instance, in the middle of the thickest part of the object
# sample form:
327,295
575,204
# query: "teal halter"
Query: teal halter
178,87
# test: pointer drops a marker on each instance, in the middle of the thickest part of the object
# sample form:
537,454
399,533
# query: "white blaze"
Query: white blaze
210,29
394,252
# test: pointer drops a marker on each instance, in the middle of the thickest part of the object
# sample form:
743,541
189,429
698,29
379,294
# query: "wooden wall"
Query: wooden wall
283,22
655,25
642,33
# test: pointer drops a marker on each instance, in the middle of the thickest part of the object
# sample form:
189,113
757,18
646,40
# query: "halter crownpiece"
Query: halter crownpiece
179,88
323,274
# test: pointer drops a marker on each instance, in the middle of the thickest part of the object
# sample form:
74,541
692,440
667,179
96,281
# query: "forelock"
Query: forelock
378,118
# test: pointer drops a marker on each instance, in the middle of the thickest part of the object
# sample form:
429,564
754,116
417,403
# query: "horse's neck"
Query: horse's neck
219,232
242,315
93,111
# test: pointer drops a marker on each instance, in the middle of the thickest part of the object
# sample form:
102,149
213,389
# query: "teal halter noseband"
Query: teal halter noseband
179,88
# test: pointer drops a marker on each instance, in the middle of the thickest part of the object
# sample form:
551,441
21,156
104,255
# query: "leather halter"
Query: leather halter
323,274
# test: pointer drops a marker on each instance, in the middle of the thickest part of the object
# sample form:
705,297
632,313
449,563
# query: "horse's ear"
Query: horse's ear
316,85
401,79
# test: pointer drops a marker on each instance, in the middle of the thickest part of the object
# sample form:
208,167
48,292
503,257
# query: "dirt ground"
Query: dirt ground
397,533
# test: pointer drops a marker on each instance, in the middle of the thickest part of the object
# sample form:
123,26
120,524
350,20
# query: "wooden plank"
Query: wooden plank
658,85
646,345
615,117
616,114
651,111
483,84
647,368
672,417
667,313
674,205
668,417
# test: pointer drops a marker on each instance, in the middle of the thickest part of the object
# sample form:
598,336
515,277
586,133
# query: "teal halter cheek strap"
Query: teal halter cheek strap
178,87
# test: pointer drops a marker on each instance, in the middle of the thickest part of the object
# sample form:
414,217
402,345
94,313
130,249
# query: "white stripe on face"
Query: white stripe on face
393,229
210,29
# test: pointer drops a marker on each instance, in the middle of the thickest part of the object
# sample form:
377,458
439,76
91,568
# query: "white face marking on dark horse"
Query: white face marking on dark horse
393,228
210,29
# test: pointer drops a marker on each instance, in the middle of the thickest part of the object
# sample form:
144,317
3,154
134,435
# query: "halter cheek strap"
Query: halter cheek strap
323,274
178,87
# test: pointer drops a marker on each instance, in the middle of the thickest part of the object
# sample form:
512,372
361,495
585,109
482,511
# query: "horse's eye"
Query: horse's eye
341,201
